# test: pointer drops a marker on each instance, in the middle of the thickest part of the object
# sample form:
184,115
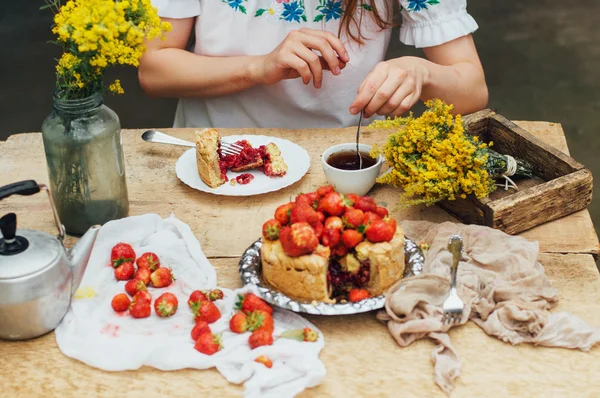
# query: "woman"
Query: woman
311,63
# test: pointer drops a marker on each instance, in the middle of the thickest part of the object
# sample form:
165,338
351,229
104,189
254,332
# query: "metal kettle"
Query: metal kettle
38,276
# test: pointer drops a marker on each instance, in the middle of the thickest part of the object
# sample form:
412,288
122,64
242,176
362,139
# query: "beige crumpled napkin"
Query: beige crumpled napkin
504,288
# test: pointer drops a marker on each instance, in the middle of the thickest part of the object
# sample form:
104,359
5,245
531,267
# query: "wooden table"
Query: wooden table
361,357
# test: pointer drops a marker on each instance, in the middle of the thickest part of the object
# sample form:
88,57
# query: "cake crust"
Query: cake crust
207,157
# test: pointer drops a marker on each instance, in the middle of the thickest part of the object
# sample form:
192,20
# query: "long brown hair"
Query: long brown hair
350,18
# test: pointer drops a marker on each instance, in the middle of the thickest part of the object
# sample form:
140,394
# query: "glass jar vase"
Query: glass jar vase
84,152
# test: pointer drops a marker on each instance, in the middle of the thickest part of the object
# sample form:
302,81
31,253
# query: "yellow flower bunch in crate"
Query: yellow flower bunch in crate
433,159
97,34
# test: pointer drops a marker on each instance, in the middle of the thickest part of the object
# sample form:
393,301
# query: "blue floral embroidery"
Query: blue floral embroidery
236,5
293,11
329,9
418,5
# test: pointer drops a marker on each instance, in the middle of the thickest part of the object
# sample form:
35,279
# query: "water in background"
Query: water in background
542,62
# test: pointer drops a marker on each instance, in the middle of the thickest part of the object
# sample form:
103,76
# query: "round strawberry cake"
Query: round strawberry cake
329,247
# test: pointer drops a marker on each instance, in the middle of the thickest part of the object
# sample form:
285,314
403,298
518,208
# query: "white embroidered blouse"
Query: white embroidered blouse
256,27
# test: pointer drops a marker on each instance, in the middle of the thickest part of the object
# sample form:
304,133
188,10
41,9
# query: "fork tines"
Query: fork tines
230,149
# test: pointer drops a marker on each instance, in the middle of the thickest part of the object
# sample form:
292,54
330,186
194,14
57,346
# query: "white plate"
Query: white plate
296,158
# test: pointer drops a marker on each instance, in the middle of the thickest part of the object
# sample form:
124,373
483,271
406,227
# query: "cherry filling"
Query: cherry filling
246,156
244,178
341,282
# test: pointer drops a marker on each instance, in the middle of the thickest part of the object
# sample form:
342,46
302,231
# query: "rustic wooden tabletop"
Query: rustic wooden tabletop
360,356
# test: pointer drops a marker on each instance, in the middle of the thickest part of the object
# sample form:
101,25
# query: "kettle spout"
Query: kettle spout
80,255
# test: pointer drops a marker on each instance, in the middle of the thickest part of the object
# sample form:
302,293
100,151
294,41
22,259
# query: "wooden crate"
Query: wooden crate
560,187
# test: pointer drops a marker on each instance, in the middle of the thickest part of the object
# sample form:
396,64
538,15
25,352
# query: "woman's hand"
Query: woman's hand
392,87
295,57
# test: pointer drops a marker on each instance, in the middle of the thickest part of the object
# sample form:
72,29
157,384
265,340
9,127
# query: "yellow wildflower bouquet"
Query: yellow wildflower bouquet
97,34
433,159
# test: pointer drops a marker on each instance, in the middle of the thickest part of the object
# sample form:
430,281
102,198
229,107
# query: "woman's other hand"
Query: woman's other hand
295,57
392,87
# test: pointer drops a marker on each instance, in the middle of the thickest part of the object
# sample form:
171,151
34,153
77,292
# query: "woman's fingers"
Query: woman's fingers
396,83
368,89
397,100
300,66
312,59
335,43
320,44
407,103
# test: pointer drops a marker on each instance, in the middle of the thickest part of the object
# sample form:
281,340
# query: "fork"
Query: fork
453,305
156,136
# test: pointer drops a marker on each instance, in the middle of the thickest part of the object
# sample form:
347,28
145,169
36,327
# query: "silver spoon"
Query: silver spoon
360,161
157,136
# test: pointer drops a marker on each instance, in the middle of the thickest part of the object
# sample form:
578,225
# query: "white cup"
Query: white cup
358,182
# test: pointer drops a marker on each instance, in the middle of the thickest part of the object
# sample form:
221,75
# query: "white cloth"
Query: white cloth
255,27
93,333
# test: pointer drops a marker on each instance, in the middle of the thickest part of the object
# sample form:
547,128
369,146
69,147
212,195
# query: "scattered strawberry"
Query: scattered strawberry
139,308
282,213
334,223
356,295
120,302
270,229
331,237
238,322
251,302
162,277
143,295
333,204
260,338
208,343
353,218
370,217
195,297
381,230
124,271
259,319
199,328
148,260
324,190
352,198
351,238
304,212
381,211
121,253
366,203
134,286
205,311
298,239
311,199
265,360
306,334
166,305
318,228
215,294
143,274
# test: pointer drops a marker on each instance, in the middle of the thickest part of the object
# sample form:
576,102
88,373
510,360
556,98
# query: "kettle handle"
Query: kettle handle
30,187
25,188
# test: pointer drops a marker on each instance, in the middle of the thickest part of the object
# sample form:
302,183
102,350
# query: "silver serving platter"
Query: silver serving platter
250,268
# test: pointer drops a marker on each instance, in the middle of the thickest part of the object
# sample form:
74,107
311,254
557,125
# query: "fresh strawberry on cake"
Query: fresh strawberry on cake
325,246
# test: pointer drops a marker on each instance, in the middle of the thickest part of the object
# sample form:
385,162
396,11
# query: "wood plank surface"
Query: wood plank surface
155,188
361,358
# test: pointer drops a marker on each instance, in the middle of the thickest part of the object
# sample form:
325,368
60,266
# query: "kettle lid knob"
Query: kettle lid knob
11,244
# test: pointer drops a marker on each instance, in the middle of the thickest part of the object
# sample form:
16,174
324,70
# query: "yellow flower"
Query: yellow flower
97,34
116,88
433,158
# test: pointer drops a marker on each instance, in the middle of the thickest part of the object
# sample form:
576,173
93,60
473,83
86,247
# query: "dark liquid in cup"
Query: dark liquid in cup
348,160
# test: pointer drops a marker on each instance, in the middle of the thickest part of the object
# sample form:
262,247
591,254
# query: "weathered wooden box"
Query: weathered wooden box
560,187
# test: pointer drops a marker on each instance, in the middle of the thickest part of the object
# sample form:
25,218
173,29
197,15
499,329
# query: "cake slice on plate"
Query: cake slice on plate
210,168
